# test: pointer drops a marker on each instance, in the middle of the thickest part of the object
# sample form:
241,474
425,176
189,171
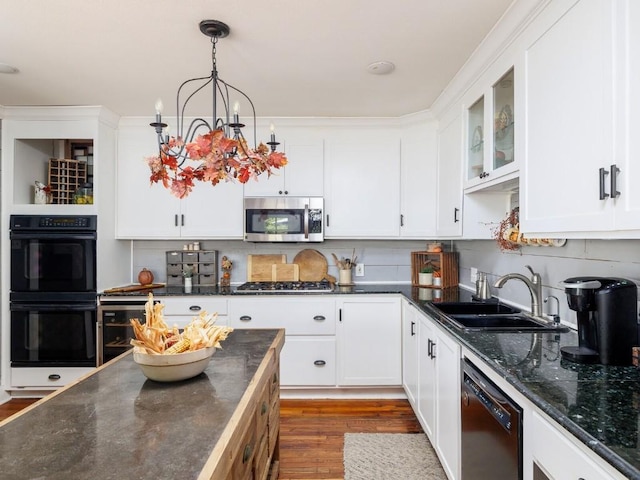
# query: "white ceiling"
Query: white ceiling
292,57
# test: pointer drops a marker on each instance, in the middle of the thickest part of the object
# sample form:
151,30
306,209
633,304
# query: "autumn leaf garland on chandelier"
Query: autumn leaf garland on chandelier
215,158
220,154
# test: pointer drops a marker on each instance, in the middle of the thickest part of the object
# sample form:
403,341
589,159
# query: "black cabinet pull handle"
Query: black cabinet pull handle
319,318
182,220
245,318
614,181
54,376
401,220
413,332
320,363
195,308
175,219
455,215
339,314
602,173
327,219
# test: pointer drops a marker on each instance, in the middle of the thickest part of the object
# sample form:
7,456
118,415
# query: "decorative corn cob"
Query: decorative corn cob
178,347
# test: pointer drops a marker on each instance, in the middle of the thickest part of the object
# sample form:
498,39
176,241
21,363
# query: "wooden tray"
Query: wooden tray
134,287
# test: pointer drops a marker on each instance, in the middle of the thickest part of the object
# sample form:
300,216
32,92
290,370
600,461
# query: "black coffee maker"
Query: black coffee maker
607,314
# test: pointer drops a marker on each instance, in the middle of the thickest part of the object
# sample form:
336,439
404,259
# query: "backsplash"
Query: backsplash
384,261
604,258
388,261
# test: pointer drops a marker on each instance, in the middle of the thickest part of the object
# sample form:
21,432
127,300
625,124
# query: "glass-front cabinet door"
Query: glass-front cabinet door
503,153
475,154
490,134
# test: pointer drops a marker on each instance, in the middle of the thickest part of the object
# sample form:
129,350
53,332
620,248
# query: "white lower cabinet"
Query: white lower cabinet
181,310
369,341
556,457
308,360
308,357
438,397
410,328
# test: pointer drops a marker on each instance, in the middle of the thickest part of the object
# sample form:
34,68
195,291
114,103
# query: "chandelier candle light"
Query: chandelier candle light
214,155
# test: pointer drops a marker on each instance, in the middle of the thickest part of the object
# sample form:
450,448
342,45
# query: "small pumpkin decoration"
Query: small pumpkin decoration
145,277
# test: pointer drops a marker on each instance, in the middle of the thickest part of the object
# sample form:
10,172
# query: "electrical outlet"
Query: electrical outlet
360,270
474,275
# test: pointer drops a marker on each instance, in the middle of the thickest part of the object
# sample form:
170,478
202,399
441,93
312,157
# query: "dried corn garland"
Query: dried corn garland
155,337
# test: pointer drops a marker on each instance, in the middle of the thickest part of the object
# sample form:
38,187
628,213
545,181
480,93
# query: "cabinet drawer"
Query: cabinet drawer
308,361
558,456
261,459
262,411
274,426
207,268
46,376
297,317
193,305
174,269
243,462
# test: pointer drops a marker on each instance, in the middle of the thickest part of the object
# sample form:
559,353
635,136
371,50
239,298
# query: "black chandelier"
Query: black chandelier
218,146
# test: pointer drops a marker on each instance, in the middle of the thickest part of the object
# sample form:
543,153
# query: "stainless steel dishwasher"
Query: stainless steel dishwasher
491,429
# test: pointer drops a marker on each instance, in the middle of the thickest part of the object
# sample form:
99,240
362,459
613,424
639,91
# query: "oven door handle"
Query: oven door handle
52,307
53,236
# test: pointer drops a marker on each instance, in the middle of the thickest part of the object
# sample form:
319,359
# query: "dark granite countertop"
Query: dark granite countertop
598,404
116,424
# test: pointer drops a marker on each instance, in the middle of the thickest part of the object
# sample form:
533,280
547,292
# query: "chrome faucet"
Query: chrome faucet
534,285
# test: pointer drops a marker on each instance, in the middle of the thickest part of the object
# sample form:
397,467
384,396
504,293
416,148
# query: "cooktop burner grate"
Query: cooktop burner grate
280,287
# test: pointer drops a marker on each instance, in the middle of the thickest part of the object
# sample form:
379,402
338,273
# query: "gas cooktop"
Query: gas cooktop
283,287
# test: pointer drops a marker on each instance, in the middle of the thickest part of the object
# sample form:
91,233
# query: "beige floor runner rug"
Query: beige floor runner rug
387,456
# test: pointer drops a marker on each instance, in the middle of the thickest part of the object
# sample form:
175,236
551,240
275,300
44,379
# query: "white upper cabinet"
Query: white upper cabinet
449,178
418,180
302,176
490,135
362,184
151,211
581,107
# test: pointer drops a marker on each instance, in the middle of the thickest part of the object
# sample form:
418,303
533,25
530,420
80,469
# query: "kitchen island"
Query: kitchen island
115,423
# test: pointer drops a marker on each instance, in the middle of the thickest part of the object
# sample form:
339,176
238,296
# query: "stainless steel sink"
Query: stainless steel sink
474,308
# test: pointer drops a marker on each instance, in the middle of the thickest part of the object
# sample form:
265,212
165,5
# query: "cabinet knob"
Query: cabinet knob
280,192
320,363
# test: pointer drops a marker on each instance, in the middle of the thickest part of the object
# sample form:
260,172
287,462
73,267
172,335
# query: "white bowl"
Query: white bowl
172,368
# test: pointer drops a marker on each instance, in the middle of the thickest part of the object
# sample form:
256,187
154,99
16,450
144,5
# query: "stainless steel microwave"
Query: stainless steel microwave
283,219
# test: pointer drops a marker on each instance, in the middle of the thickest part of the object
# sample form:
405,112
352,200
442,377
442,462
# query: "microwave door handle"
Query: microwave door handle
306,221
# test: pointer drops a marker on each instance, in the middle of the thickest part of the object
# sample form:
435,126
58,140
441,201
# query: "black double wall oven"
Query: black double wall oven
53,297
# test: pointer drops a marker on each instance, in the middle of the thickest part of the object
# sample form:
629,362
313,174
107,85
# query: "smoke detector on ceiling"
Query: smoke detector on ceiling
381,68
4,68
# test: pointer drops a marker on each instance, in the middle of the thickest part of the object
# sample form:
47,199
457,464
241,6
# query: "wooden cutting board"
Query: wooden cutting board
285,272
259,266
313,266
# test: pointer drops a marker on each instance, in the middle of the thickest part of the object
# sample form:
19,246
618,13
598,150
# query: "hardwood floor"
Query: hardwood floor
312,431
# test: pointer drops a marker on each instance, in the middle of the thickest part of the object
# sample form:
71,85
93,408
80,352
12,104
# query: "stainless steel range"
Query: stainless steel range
285,287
